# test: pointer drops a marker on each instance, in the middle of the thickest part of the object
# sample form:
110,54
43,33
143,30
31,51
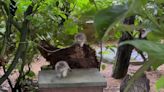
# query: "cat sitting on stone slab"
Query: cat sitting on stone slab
62,69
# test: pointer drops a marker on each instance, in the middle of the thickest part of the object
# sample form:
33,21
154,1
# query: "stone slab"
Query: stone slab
76,78
77,89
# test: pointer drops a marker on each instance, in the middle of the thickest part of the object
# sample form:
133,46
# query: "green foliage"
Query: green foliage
54,20
159,1
70,27
104,52
22,6
103,66
107,18
86,9
160,83
154,49
30,75
111,48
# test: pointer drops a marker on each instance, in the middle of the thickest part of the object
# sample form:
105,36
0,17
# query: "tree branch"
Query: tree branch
21,72
7,12
101,56
21,47
17,26
15,61
8,79
142,55
7,33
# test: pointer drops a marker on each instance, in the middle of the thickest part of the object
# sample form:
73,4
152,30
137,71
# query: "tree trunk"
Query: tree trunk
123,57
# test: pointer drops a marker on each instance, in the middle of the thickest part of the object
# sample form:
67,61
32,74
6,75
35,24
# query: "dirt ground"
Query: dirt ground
112,84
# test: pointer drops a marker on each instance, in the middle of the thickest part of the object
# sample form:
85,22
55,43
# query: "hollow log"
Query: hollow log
75,56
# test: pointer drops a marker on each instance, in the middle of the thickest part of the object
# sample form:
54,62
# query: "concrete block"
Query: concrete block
78,80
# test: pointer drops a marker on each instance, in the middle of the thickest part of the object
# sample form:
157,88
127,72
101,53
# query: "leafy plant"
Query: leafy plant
34,20
160,83
107,19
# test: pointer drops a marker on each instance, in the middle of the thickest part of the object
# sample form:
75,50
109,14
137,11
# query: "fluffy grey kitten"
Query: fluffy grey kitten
62,68
80,39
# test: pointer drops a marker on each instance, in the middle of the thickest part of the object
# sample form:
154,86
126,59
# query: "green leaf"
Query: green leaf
103,66
159,1
154,49
151,36
30,74
70,27
152,18
92,1
22,6
105,52
108,17
160,83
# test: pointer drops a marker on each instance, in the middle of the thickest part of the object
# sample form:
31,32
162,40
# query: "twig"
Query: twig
7,33
101,56
3,62
21,73
49,50
8,79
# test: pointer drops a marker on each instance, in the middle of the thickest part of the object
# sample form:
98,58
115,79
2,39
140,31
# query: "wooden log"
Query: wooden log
75,56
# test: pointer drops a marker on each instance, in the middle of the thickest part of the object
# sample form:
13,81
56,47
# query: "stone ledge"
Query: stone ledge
76,78
77,89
